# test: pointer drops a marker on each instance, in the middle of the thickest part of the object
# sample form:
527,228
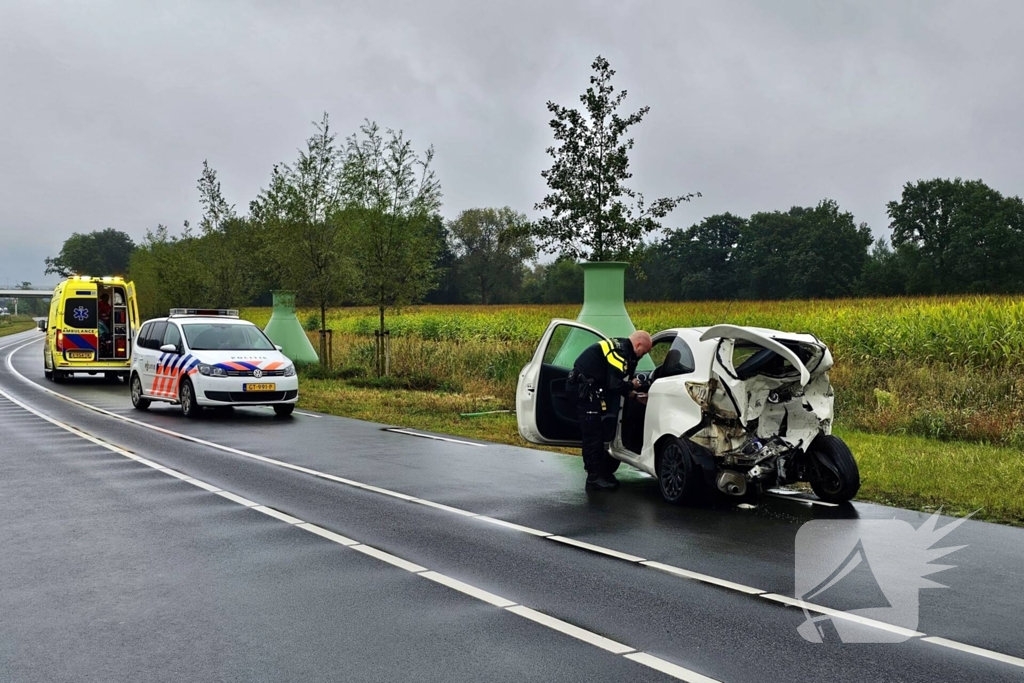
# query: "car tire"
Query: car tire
59,377
284,409
48,374
834,475
187,399
139,402
679,477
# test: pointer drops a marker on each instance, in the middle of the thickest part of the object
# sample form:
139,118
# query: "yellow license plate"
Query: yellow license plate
79,355
260,387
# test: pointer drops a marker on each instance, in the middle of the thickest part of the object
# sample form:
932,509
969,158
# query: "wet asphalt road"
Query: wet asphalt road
111,571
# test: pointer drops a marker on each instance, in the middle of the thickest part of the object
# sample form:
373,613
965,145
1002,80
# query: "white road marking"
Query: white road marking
277,514
596,549
606,551
177,474
572,630
297,412
510,525
237,499
979,651
810,607
388,557
685,573
669,668
324,533
478,593
446,508
409,432
203,485
798,497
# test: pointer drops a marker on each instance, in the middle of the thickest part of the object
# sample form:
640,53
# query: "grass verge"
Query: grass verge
16,327
904,471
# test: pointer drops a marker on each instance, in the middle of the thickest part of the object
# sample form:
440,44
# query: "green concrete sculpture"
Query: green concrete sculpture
604,308
285,331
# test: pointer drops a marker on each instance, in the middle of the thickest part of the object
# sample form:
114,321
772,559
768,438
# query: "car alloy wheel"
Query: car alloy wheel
137,399
187,399
673,470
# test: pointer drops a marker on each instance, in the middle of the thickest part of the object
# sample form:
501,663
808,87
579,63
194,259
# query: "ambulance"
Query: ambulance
90,328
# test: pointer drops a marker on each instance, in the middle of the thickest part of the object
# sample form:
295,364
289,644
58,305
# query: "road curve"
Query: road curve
135,549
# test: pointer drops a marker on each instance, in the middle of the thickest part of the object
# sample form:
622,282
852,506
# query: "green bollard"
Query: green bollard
285,331
604,308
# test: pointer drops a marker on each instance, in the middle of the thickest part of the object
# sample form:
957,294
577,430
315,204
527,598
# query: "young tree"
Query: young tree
231,247
593,215
392,194
492,246
101,252
302,210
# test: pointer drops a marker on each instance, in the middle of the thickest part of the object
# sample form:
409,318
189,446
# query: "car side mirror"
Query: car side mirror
169,348
278,347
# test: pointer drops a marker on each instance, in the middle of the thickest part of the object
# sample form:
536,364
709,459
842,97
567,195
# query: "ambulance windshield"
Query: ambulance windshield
225,337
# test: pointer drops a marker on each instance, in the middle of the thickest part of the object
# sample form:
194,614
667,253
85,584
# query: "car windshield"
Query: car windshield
225,337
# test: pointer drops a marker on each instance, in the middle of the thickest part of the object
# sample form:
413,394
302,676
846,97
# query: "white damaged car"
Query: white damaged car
737,409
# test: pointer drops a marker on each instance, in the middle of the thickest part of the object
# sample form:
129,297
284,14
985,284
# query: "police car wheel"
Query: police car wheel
284,409
138,402
187,399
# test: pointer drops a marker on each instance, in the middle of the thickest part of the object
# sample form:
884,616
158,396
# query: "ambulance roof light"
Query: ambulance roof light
221,312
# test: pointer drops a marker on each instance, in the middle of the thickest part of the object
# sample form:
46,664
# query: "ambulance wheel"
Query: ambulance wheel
284,409
110,376
59,376
187,399
48,374
138,402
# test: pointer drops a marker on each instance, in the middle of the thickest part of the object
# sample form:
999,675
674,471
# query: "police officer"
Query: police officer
598,380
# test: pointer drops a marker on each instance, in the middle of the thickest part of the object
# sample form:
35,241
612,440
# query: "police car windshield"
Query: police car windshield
225,337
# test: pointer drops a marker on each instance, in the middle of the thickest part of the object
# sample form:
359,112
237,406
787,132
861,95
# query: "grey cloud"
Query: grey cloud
108,109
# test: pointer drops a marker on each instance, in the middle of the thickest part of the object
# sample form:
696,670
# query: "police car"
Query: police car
200,358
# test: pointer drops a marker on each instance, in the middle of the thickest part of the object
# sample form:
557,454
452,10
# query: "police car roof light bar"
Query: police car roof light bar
222,312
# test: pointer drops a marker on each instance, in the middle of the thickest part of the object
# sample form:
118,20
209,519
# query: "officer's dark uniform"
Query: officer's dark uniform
597,381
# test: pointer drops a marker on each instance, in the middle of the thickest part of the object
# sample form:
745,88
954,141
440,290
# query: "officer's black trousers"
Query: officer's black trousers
589,415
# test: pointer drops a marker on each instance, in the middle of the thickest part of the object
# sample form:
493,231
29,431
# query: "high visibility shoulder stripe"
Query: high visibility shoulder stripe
616,361
606,347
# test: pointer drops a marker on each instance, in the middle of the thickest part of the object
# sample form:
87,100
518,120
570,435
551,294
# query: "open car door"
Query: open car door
543,409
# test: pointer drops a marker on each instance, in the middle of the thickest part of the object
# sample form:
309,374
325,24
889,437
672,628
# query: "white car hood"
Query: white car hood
795,406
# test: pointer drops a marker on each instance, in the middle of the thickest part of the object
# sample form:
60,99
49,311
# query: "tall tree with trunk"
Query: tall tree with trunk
302,210
591,213
391,194
492,247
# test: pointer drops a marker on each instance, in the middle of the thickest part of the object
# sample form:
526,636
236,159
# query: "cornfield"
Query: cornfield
981,332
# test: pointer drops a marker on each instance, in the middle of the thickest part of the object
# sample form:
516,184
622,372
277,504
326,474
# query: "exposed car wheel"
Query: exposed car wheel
679,477
187,399
284,409
138,401
48,374
833,475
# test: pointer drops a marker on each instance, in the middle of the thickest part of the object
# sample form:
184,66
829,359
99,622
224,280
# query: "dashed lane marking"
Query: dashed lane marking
676,571
533,615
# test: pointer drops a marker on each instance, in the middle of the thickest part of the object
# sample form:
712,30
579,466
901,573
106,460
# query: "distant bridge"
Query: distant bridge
25,293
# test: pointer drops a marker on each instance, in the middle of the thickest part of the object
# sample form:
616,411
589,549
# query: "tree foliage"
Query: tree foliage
592,214
391,196
101,252
492,247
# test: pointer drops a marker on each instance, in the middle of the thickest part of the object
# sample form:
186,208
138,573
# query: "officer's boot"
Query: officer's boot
601,482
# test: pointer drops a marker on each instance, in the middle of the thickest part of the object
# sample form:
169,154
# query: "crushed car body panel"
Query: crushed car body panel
771,383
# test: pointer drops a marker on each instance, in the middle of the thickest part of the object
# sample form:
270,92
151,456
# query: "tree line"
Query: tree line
357,221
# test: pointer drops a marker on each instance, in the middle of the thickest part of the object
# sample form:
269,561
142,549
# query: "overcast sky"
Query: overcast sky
108,109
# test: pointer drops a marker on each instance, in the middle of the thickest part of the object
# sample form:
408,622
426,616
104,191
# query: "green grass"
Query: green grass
903,471
15,326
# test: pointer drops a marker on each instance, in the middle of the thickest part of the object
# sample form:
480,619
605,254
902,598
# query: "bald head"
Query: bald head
641,341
